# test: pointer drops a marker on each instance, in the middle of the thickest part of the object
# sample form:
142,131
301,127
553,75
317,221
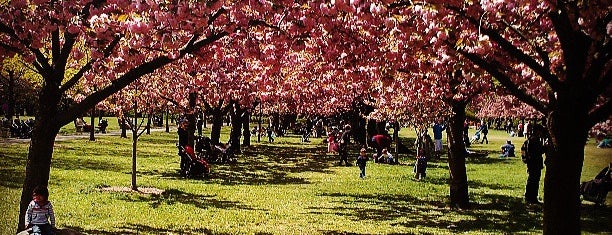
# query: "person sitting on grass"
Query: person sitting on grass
386,157
604,143
507,149
40,218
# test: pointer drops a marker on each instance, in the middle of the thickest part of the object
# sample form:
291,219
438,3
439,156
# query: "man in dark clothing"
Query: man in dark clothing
484,130
182,142
535,164
345,139
380,142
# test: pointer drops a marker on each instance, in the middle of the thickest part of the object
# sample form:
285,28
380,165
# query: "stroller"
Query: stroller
192,165
597,189
475,138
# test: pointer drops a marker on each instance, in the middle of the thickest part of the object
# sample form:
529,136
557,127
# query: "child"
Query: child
39,215
361,162
385,156
420,166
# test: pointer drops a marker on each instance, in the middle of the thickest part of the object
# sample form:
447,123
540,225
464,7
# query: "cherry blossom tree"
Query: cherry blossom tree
551,55
119,41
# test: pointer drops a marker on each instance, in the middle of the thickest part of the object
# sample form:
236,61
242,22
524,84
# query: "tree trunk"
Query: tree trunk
396,127
564,159
134,142
38,165
122,122
92,131
246,132
11,96
236,131
456,160
217,123
167,125
148,124
259,124
191,117
204,118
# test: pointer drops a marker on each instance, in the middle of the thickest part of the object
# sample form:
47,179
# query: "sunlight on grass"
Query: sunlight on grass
287,187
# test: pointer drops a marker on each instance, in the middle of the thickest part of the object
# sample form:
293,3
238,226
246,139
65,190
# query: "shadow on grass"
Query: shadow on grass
500,213
266,164
472,184
87,163
11,178
174,196
132,229
595,219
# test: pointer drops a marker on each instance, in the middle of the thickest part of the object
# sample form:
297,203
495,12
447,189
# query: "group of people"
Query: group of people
18,128
82,126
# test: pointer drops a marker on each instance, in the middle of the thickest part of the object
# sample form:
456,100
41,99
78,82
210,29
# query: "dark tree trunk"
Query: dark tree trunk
122,125
274,123
167,124
259,123
92,131
456,158
358,128
38,165
246,132
11,96
564,159
396,127
217,123
191,117
148,124
204,118
134,144
236,131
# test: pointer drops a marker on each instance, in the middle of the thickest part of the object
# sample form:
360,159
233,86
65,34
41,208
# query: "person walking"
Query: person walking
270,134
484,130
362,159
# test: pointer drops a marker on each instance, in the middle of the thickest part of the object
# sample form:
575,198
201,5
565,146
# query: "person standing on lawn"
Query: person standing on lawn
362,159
437,130
484,130
531,154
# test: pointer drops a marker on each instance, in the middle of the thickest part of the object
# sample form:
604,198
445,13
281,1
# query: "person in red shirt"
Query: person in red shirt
380,142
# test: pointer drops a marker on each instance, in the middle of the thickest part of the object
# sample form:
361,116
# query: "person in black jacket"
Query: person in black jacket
535,163
182,142
345,140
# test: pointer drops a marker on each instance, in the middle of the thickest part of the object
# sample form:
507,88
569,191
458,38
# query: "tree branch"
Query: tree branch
516,53
55,47
543,54
172,101
10,48
599,69
600,113
75,78
131,76
505,81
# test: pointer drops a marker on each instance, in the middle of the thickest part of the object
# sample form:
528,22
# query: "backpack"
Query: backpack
524,153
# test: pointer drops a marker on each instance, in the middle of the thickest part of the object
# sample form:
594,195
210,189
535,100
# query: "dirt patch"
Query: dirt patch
141,190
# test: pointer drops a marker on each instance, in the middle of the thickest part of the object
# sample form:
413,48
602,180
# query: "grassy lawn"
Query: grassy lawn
287,187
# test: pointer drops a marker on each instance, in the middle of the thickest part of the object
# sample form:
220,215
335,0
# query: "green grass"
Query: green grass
287,187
